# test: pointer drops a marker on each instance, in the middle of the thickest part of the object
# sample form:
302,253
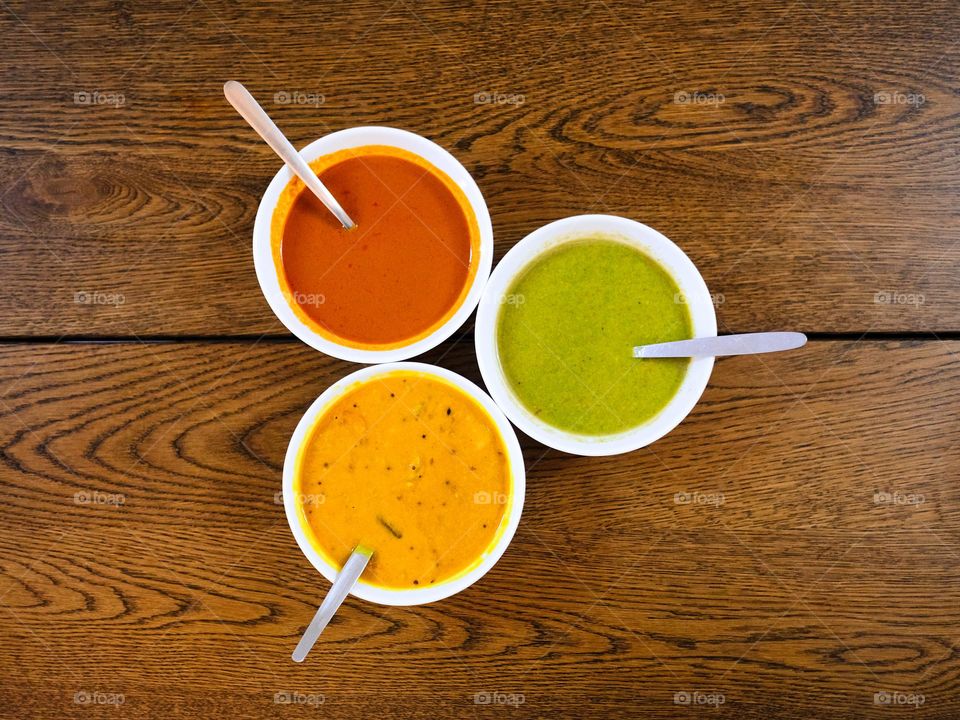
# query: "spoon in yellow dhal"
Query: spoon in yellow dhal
245,104
346,579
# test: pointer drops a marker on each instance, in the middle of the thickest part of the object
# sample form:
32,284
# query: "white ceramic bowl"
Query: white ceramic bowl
657,246
511,517
355,137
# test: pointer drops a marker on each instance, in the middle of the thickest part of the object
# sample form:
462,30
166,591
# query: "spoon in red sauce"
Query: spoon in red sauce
250,110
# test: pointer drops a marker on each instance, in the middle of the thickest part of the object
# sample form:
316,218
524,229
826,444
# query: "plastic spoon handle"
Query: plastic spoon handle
341,587
745,344
250,110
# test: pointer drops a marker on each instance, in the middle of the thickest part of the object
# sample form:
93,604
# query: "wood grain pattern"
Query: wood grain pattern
824,180
798,595
792,549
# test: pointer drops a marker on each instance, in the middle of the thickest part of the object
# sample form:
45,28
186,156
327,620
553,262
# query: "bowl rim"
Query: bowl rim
518,258
267,272
418,596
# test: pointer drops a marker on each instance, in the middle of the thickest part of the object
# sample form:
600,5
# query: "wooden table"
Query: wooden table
804,154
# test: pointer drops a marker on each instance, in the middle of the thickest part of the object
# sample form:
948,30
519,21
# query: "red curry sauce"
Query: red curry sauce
400,273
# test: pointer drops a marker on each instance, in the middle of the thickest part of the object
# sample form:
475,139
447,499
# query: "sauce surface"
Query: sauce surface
567,328
410,467
395,277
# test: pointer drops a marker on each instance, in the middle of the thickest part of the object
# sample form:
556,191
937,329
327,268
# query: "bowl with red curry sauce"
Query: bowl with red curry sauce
400,282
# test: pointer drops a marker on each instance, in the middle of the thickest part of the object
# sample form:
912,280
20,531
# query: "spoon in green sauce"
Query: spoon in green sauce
742,344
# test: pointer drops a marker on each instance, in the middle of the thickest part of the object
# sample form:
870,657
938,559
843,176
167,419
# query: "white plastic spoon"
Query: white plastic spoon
744,344
250,110
341,587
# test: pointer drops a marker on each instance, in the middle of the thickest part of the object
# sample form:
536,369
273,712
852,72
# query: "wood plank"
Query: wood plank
800,595
802,198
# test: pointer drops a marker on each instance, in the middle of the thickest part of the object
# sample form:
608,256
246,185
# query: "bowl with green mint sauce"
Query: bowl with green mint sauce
558,321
